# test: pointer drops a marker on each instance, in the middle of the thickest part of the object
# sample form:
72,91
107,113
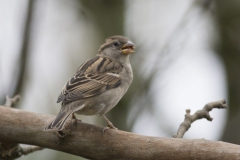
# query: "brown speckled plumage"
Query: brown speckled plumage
98,84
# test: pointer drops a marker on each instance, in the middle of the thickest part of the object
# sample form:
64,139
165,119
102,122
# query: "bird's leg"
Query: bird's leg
74,119
73,116
110,125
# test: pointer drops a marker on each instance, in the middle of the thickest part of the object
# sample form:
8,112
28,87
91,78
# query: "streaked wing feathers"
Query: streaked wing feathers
92,78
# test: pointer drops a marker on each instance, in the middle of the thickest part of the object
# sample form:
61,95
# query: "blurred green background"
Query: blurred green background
187,54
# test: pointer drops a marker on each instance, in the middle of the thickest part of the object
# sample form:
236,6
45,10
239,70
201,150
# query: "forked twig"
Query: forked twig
204,113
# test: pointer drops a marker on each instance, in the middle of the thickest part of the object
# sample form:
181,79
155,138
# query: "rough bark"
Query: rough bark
89,141
12,150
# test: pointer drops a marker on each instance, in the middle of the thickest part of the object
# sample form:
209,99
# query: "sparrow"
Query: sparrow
98,84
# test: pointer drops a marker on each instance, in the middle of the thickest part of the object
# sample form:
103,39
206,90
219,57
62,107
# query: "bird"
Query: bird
98,84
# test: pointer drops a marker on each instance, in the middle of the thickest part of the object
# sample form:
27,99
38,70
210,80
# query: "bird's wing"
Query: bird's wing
92,78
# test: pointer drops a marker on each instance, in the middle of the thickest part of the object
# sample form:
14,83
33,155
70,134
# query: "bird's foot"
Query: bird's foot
109,127
63,133
60,134
74,121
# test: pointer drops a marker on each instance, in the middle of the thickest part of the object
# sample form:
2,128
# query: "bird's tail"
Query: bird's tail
58,123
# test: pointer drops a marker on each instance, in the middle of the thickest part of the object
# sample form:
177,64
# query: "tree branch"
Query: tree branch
89,141
204,113
11,150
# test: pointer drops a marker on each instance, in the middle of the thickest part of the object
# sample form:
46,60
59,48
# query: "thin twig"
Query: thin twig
204,113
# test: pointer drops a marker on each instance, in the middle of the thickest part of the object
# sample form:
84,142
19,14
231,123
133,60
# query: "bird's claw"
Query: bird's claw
108,127
60,134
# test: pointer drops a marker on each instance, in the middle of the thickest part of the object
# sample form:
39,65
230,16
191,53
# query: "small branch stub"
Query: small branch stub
10,151
10,102
204,113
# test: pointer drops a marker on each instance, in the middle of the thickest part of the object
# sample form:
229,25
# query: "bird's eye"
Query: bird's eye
116,44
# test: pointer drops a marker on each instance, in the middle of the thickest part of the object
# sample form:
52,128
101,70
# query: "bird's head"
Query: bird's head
117,47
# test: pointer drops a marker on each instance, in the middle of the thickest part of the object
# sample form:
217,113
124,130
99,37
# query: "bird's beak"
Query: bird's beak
128,48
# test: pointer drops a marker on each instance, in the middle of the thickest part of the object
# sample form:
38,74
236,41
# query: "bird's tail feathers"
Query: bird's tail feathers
58,123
